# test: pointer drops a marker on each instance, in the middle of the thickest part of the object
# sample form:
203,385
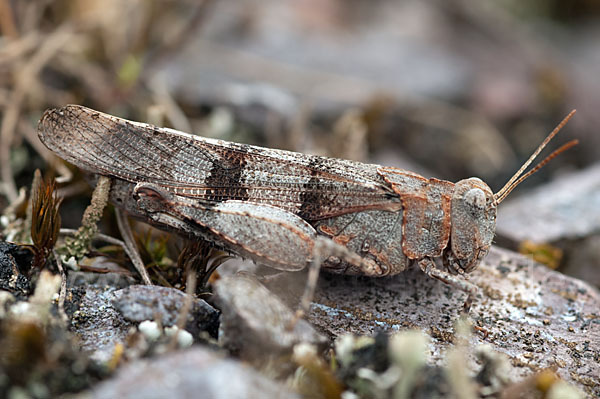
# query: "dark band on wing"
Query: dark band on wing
313,198
225,180
210,171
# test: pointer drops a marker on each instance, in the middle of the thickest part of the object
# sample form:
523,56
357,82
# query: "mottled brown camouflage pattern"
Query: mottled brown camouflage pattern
271,205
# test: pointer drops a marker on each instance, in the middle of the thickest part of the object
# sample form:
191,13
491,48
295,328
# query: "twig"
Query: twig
31,136
11,114
25,78
98,236
63,288
73,189
7,20
12,51
190,289
161,95
94,80
133,255
178,39
130,247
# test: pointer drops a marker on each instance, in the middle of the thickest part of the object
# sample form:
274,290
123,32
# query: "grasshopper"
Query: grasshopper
286,209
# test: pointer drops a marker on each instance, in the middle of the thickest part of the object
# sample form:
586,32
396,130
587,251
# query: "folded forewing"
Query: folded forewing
210,170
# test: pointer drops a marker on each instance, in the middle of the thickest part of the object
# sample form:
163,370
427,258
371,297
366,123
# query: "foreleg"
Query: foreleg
427,265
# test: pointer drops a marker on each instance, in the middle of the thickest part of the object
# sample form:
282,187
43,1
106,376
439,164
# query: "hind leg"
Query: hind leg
324,248
266,234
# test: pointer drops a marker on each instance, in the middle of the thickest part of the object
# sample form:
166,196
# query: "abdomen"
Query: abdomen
374,234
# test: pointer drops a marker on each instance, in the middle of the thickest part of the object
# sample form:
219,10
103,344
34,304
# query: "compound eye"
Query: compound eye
475,198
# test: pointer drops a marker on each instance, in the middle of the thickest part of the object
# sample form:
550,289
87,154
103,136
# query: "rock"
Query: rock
196,372
112,274
564,213
567,208
255,322
333,63
582,259
39,358
145,302
14,262
99,326
537,317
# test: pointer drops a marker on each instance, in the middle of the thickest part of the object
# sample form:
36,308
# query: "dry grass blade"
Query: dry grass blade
45,219
25,82
7,22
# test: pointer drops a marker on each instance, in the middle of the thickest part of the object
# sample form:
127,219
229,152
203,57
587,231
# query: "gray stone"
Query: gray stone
78,278
149,302
583,259
566,208
98,324
256,322
564,213
14,261
538,317
195,373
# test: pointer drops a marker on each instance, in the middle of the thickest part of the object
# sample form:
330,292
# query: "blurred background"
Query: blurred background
446,88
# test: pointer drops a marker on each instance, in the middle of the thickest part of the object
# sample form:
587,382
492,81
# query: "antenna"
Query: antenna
517,179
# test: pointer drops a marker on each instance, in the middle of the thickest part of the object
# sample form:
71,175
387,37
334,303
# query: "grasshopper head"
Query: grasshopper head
473,211
473,224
